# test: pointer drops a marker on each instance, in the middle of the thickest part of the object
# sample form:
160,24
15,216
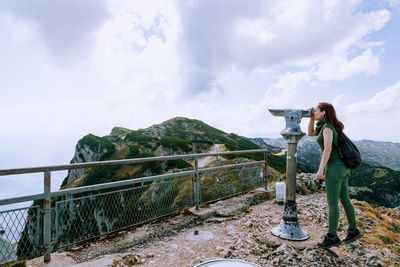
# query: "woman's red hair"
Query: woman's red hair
330,116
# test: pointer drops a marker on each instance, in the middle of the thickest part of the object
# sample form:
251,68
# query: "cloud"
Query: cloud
395,4
146,60
290,89
130,76
385,100
340,68
376,117
285,91
66,28
265,34
337,101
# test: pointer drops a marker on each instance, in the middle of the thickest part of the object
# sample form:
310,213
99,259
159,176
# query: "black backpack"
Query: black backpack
348,151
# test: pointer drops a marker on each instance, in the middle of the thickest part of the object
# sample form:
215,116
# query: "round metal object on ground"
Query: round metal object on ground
289,228
289,231
227,263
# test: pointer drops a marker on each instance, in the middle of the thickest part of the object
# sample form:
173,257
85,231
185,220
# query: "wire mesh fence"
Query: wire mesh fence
19,234
80,214
83,218
224,183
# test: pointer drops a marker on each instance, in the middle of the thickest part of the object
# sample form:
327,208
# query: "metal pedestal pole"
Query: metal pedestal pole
289,227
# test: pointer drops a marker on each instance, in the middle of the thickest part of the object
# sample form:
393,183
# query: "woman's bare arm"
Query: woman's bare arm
311,131
328,138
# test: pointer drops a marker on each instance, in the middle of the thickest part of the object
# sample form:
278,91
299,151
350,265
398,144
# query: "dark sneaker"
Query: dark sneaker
352,235
330,242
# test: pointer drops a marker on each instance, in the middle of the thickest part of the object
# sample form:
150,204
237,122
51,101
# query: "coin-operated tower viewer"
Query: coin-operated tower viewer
289,227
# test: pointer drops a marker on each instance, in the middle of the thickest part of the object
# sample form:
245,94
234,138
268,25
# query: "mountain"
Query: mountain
386,154
176,136
377,185
374,153
307,149
374,181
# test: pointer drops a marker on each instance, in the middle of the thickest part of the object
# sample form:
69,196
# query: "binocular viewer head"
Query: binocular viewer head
298,113
293,118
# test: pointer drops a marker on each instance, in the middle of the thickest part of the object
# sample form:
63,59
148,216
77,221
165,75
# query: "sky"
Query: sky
70,68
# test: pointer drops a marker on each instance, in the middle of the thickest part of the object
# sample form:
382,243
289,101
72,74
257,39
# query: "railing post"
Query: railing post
196,182
265,170
47,218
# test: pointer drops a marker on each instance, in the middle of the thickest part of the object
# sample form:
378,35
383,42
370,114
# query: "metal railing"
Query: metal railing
97,211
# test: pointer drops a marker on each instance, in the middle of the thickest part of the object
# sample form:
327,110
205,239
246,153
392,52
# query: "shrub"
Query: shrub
177,164
202,141
99,145
154,167
90,140
133,152
99,175
175,143
145,155
120,131
136,136
145,144
107,149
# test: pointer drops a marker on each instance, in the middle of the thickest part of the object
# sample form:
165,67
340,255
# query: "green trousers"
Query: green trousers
336,183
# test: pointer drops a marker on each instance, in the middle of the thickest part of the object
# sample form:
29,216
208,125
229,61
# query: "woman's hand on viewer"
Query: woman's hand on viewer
312,114
311,131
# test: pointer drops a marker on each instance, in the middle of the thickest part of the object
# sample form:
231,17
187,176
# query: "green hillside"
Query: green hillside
383,182
176,136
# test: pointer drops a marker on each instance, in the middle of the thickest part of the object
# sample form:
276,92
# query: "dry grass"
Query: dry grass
371,215
371,239
389,262
379,173
383,235
369,210
127,170
75,183
120,153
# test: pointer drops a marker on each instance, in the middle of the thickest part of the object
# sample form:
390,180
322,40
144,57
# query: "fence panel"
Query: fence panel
223,183
19,234
83,213
82,218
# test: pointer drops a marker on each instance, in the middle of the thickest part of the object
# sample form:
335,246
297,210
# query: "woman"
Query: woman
336,173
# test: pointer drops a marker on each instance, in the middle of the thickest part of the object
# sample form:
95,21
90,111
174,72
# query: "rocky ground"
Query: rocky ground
239,228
